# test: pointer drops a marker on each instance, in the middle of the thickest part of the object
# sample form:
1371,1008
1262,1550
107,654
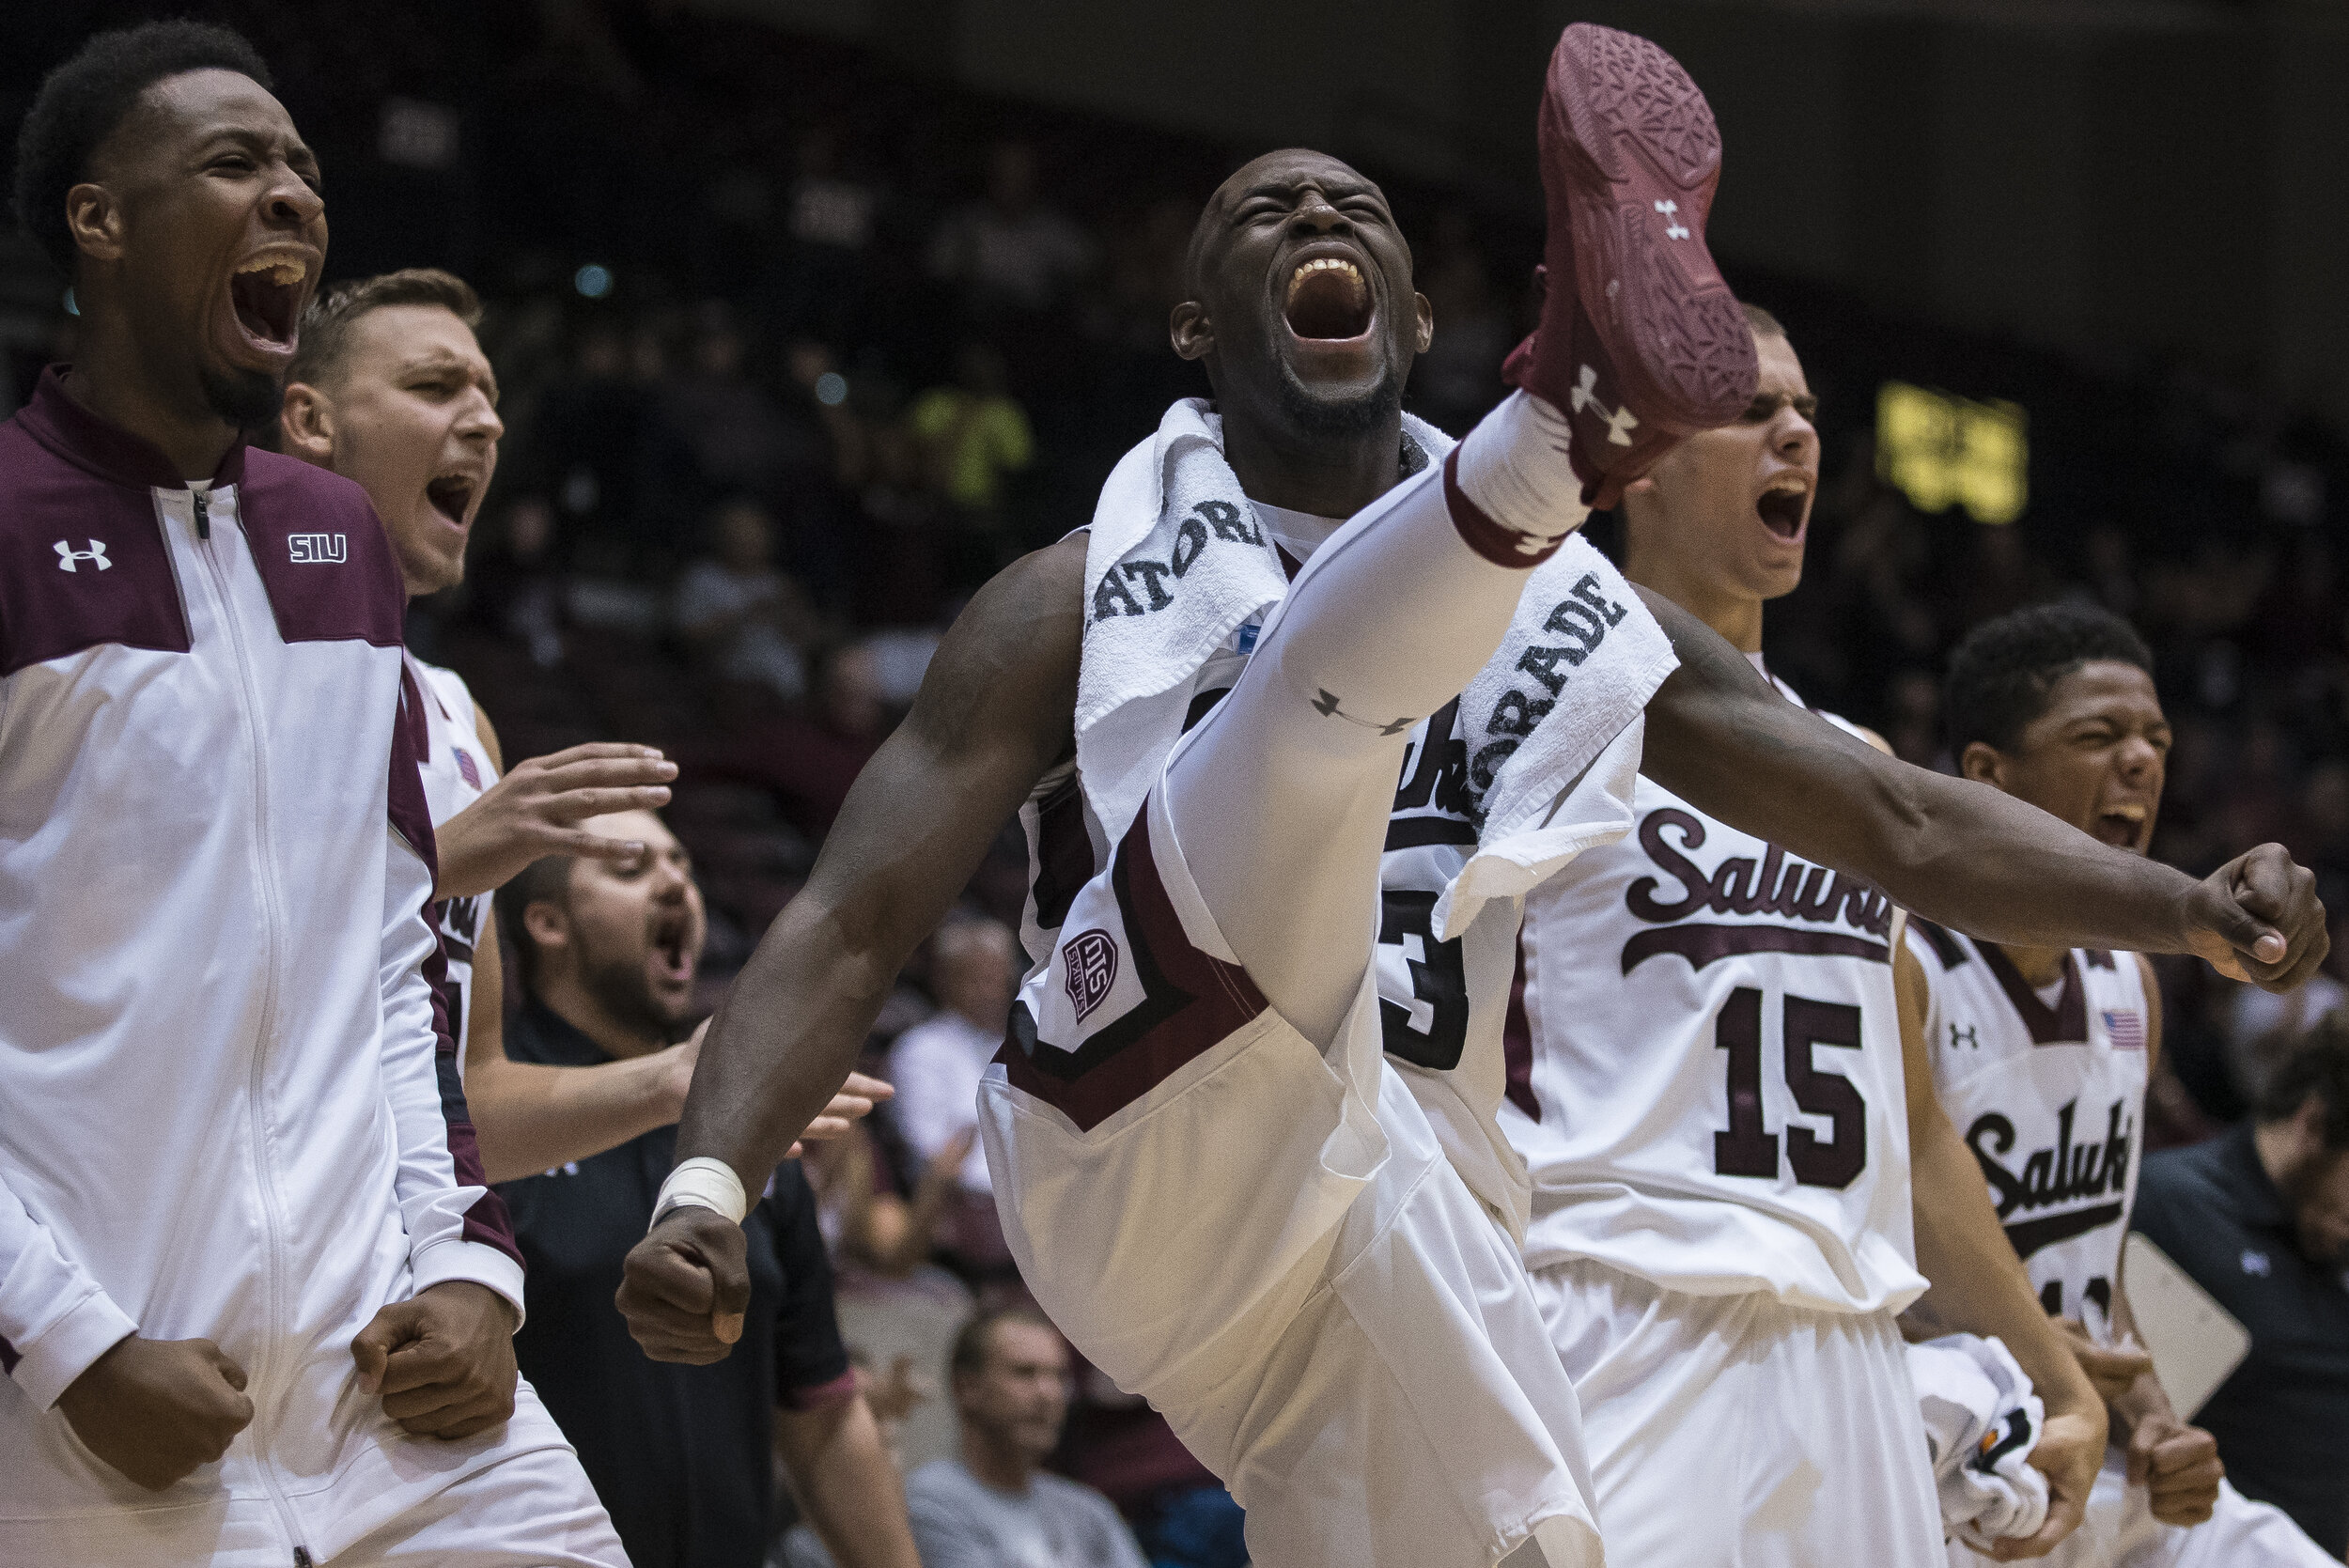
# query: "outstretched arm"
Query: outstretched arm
1963,854
1981,1287
994,714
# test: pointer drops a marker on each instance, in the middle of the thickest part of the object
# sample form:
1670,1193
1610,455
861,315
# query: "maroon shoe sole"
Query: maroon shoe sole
1642,156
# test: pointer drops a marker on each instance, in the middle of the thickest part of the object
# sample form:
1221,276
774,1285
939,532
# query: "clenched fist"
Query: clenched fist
155,1409
2257,919
443,1360
686,1286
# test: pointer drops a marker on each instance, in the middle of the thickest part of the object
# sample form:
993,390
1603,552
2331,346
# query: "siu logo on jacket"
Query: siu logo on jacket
322,550
1820,911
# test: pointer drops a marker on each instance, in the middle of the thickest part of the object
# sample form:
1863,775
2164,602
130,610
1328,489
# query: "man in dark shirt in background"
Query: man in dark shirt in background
681,1454
2259,1217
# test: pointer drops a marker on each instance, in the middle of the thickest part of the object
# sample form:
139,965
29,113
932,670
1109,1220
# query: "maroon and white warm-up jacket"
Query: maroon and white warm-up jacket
228,1104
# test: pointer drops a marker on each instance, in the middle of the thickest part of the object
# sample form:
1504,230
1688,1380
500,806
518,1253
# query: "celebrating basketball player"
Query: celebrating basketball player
256,1304
2041,1056
1304,313
389,387
1712,1108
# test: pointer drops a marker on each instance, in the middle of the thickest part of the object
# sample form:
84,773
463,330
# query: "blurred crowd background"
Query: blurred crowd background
798,345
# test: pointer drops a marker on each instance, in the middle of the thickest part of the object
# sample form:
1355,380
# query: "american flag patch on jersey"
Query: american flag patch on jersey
464,766
2126,1026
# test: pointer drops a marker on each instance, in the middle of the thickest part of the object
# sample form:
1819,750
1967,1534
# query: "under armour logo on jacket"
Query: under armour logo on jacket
1620,423
67,555
317,549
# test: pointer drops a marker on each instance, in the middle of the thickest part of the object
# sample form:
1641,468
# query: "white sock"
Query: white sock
1514,467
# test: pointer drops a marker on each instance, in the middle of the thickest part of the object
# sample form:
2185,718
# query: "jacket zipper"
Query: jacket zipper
274,1222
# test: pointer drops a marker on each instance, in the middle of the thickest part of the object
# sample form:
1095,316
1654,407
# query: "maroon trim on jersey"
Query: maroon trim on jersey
8,1357
1517,1044
1064,853
100,447
487,1221
1943,942
2099,958
51,494
1709,945
1190,1001
1503,547
319,598
1290,565
2066,1022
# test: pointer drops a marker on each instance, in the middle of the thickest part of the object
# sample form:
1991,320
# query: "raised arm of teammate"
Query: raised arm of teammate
1963,854
532,1116
993,716
536,810
1981,1287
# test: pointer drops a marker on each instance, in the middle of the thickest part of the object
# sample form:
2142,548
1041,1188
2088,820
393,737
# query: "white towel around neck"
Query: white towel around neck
1177,561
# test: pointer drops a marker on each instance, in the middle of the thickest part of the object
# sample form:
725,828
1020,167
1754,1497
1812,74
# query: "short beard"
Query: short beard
248,399
618,987
1338,418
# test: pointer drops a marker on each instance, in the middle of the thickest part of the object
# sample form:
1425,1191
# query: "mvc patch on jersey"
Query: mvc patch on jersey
1128,999
1091,957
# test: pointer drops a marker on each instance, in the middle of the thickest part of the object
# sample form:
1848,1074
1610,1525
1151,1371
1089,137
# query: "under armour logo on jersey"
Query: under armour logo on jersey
1620,423
1092,958
323,550
1963,1037
1673,229
67,555
1327,706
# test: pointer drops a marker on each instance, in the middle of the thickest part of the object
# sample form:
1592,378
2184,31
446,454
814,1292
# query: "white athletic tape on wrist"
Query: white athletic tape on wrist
712,1184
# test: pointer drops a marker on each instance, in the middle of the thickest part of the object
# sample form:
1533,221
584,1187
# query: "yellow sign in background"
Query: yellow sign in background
1942,451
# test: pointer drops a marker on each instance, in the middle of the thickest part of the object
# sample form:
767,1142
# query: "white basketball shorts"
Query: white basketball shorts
1281,1262
1736,1432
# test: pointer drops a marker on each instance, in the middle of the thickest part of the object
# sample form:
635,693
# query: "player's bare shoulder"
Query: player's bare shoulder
1008,664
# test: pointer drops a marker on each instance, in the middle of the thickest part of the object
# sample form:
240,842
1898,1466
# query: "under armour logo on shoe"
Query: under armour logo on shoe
67,555
1673,229
1620,422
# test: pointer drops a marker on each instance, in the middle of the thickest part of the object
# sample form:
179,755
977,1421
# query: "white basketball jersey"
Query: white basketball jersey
1708,1087
2050,1098
1443,1005
456,771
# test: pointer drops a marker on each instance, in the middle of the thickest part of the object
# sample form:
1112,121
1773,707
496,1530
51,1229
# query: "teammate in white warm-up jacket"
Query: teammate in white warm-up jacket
228,1099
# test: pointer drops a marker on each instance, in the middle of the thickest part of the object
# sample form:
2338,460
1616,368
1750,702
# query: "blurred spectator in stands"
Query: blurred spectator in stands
937,1065
679,1453
734,436
2259,1217
1459,376
515,590
866,1222
809,761
1010,254
591,442
993,1506
974,972
828,221
974,433
748,622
